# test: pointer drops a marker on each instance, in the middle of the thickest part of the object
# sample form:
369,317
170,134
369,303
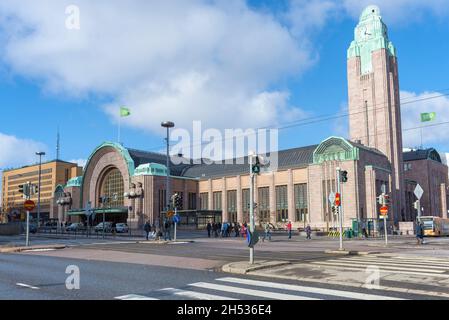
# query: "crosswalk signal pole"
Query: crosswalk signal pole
27,197
251,207
340,208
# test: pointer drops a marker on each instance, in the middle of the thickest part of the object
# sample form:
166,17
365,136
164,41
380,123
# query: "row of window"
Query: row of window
263,205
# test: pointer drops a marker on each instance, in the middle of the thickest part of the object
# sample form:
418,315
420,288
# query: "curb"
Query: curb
232,268
23,249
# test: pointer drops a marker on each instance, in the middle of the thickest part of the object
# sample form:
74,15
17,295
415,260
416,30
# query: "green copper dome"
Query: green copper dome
371,34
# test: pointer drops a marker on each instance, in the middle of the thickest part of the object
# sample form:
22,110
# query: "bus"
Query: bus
435,226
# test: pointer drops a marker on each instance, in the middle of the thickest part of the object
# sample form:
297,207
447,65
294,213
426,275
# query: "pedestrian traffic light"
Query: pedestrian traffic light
386,200
344,176
21,188
256,166
380,199
177,201
34,189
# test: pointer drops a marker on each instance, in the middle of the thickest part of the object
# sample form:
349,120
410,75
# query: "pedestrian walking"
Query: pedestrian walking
267,229
419,233
147,229
309,232
289,229
209,229
215,229
364,232
167,233
237,229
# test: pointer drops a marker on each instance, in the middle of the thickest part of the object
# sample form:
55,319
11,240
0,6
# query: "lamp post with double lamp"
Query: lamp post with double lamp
40,154
167,125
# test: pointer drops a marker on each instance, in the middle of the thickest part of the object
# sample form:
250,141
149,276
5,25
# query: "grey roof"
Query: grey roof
286,159
291,158
425,154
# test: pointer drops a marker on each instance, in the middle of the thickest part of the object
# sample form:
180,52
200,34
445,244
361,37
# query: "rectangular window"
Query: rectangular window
204,201
217,200
192,201
232,205
162,200
301,206
281,204
264,204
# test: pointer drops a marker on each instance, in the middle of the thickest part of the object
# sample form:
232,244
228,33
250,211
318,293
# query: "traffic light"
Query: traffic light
344,176
380,199
22,188
256,166
34,189
25,190
416,204
386,199
177,201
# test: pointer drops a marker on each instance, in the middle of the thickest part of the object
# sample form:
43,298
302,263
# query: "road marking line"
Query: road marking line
195,295
134,297
330,292
362,269
386,266
250,292
439,262
27,286
394,263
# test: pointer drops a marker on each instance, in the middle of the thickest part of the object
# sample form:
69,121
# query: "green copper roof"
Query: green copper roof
75,182
151,169
122,150
335,149
371,34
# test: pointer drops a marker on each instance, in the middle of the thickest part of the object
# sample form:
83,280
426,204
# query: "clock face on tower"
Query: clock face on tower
365,32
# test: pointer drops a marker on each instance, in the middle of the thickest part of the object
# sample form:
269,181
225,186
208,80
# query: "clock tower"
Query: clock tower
374,103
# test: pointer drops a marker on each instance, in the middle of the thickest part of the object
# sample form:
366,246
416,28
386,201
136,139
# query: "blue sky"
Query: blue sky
257,63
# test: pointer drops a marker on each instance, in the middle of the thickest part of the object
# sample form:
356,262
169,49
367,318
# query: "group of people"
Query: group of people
226,229
153,232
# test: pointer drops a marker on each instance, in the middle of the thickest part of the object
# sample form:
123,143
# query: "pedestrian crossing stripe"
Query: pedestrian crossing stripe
382,270
134,297
390,262
295,292
387,266
323,291
194,295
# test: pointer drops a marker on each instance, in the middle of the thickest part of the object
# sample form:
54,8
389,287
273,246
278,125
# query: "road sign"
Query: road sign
170,214
384,210
29,205
418,192
332,197
337,199
176,219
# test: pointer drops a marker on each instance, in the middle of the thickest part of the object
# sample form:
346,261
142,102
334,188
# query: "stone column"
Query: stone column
443,201
239,200
291,197
210,197
224,200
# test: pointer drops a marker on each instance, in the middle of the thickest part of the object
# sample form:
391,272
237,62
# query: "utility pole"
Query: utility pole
167,125
251,207
40,154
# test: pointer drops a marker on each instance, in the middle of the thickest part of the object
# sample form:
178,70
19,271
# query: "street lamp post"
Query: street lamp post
167,125
40,154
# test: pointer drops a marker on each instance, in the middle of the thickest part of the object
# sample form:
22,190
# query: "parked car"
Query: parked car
121,228
77,226
107,227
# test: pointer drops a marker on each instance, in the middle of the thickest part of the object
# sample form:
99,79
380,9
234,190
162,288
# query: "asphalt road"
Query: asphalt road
32,277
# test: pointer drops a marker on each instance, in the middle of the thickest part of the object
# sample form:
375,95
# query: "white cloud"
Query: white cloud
411,118
18,152
215,61
80,162
399,11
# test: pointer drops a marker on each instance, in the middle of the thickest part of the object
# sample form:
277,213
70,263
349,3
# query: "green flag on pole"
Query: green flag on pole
429,116
124,112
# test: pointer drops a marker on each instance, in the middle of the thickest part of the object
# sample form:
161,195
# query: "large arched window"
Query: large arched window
113,188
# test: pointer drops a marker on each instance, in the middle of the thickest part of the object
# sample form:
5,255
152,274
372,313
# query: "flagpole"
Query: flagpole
119,128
